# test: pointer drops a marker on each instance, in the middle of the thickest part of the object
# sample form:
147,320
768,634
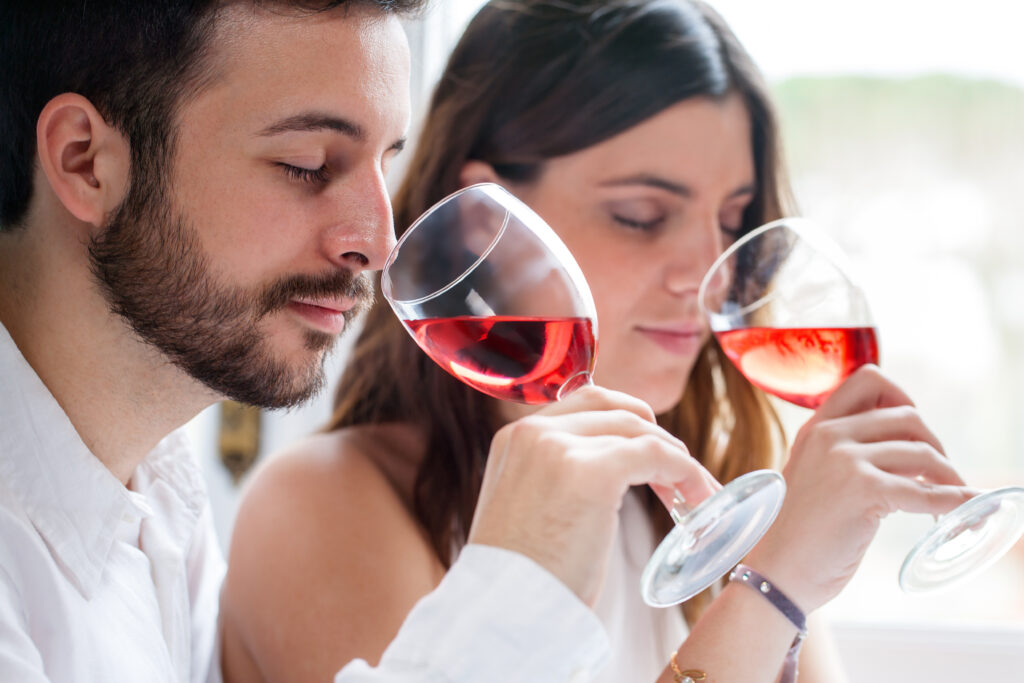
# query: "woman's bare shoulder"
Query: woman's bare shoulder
340,484
326,558
346,461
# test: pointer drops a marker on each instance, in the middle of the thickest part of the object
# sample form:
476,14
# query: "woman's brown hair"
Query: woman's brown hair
531,80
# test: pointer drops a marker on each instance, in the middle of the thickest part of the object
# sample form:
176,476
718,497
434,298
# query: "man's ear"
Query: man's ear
85,160
474,171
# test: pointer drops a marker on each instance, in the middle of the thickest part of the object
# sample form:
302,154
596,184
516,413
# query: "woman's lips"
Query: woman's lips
679,340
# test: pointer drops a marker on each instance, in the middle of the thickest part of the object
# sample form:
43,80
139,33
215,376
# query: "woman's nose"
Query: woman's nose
692,257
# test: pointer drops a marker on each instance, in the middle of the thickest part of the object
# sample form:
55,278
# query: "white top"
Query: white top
99,583
642,637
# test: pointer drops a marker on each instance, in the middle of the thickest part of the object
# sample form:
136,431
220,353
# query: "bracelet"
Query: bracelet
688,676
780,601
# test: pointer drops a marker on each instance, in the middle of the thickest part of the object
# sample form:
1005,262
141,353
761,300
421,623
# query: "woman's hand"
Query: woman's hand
863,455
555,481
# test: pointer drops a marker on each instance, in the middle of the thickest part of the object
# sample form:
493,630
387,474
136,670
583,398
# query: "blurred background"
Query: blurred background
904,130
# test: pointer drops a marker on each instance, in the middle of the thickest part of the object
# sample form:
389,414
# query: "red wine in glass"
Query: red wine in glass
799,365
524,359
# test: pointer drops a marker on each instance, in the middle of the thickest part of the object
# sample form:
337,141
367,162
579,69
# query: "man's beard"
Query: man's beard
154,274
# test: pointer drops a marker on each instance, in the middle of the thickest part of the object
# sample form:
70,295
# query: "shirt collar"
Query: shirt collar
72,499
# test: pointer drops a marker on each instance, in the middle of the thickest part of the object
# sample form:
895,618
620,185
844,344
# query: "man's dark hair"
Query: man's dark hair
135,60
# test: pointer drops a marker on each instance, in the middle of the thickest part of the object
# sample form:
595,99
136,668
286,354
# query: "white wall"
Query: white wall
886,653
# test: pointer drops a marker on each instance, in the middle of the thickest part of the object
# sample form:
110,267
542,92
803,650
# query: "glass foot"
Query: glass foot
965,541
712,538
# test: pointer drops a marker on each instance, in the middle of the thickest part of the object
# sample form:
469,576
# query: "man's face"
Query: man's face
244,260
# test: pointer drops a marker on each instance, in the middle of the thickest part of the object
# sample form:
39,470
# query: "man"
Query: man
191,197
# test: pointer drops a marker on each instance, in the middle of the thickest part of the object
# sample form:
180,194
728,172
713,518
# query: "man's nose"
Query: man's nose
363,234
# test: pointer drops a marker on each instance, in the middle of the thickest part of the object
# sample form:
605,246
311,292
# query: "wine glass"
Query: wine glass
491,294
785,311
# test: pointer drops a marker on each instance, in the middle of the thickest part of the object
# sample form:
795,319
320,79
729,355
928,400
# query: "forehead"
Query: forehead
265,63
698,141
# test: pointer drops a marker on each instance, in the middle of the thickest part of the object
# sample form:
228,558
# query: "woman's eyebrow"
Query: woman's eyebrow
647,180
675,188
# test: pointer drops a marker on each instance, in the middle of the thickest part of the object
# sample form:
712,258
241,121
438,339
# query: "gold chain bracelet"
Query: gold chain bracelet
688,676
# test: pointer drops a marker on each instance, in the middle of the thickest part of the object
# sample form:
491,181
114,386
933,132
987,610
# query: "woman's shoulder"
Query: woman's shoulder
365,472
337,483
324,519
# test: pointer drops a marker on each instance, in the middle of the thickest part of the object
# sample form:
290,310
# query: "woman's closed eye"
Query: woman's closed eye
641,216
635,224
730,221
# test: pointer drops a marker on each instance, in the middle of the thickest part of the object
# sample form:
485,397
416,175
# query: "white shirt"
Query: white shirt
642,637
99,583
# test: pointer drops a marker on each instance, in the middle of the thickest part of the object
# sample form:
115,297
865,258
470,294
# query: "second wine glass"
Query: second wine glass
786,312
487,289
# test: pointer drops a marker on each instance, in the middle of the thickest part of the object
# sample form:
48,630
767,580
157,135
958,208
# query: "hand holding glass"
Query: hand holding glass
788,316
491,294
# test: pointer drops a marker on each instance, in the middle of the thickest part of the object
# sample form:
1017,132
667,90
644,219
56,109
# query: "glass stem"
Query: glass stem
680,508
574,382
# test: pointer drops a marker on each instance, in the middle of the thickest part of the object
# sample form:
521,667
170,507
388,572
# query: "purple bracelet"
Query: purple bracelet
751,577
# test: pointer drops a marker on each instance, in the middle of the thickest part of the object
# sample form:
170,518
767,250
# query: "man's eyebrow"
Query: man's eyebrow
312,122
679,189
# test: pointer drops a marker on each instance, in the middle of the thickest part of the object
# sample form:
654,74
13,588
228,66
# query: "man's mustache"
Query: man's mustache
338,284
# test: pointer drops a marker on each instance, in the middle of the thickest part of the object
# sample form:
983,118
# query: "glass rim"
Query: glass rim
805,228
385,279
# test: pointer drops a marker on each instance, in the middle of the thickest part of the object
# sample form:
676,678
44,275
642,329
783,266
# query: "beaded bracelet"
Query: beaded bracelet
751,577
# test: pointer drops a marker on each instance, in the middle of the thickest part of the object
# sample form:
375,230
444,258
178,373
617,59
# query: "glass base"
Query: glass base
712,538
965,541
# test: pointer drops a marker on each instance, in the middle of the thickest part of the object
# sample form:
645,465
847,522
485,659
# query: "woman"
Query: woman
642,132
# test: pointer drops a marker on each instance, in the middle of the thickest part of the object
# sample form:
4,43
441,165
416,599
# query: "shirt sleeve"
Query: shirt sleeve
497,616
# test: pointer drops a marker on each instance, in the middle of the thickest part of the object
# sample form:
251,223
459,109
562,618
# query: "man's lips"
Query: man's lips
325,314
332,304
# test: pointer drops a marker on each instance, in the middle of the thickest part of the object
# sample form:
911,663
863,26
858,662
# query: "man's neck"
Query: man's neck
121,395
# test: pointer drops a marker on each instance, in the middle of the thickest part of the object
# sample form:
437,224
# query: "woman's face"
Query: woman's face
645,214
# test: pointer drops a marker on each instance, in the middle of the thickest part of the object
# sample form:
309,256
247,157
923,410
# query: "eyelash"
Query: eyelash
644,226
315,176
732,233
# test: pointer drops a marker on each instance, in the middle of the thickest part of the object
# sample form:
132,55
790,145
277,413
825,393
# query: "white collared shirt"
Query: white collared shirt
99,583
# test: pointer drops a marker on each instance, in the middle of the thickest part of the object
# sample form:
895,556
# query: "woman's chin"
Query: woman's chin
660,395
663,404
